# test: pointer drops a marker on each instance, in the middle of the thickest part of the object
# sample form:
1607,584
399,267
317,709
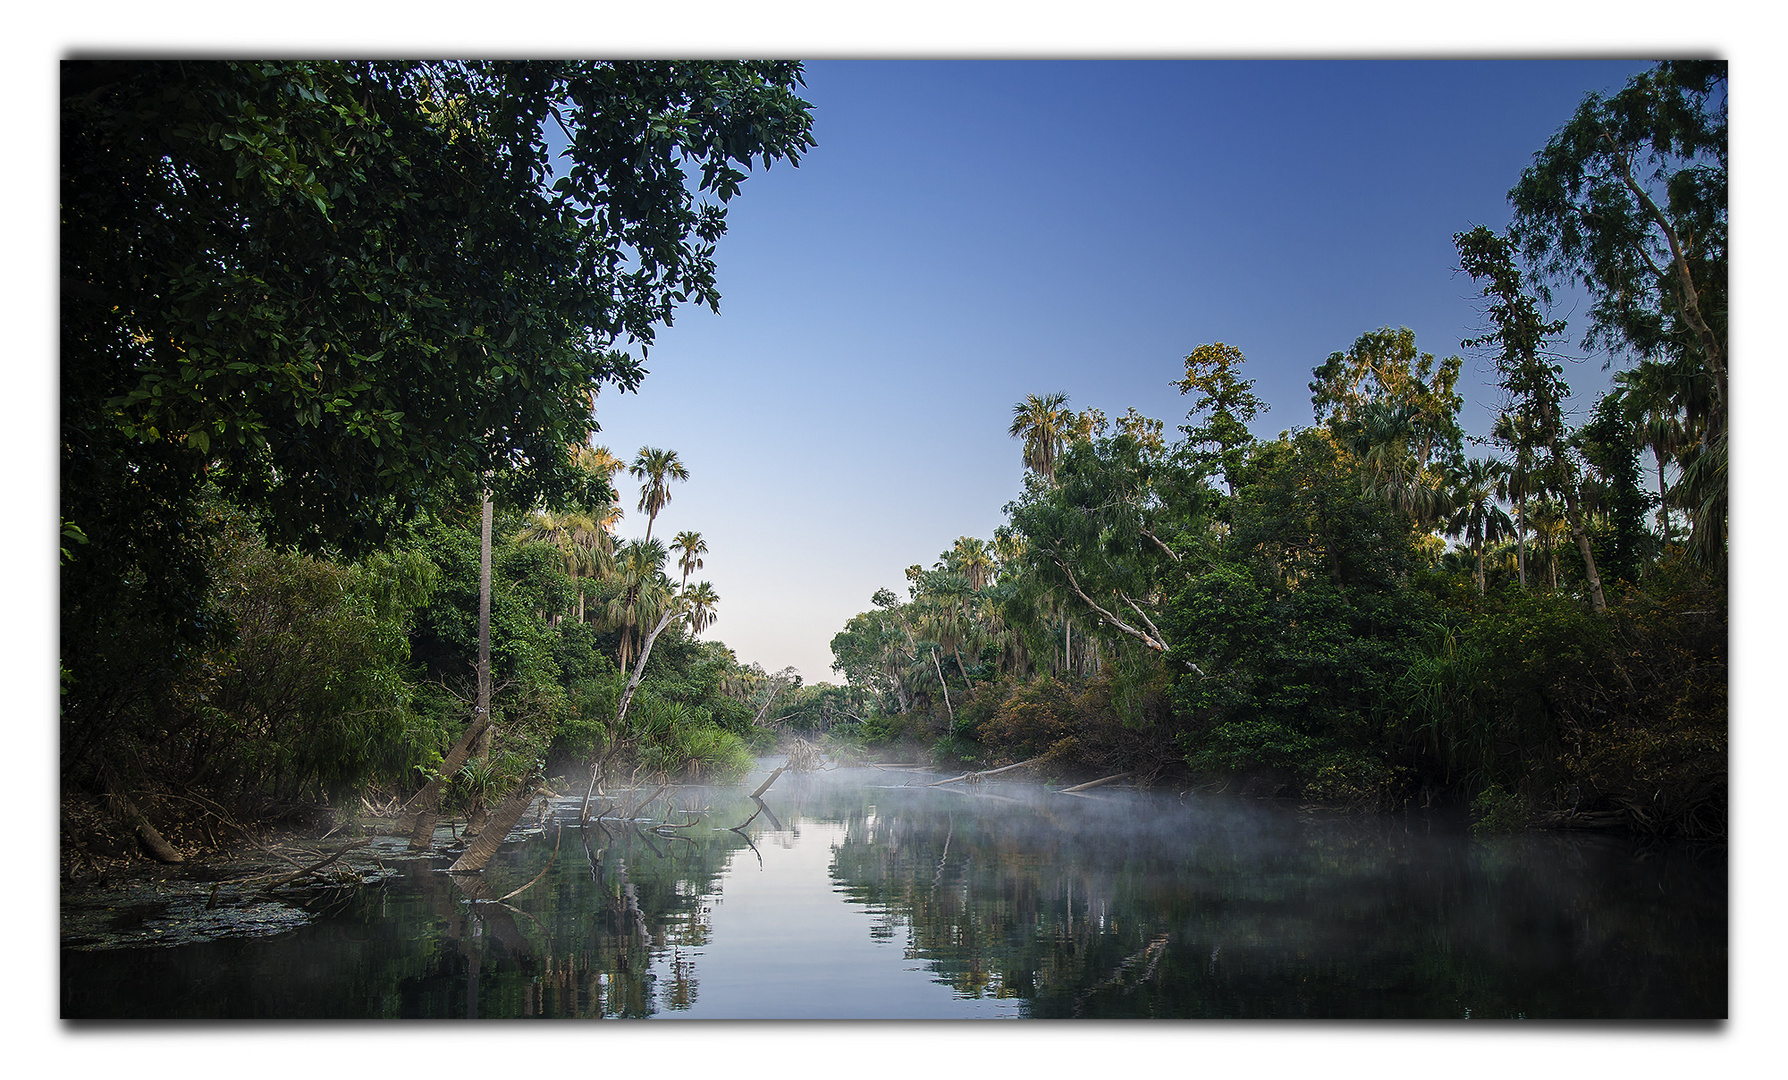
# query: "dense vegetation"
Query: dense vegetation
321,324
332,509
1377,610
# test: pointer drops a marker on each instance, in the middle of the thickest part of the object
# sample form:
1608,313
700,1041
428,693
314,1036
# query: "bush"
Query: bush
1495,810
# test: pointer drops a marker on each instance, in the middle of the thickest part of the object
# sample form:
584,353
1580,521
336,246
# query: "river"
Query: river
863,893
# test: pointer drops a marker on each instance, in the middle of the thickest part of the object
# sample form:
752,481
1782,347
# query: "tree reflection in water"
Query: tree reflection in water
1006,898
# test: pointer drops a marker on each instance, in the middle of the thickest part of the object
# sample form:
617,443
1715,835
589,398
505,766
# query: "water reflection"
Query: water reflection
858,893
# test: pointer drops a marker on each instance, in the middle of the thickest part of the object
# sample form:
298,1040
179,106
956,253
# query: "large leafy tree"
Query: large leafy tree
1628,200
1227,402
341,292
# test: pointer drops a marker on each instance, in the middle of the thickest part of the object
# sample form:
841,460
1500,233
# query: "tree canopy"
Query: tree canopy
337,288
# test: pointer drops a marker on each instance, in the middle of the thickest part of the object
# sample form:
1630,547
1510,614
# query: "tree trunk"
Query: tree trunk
1597,601
496,830
671,613
1663,493
946,689
1521,540
428,800
484,626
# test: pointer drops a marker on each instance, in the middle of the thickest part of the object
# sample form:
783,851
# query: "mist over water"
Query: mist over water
864,893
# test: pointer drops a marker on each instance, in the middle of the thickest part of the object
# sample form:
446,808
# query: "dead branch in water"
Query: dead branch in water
975,777
1093,783
765,786
549,865
314,867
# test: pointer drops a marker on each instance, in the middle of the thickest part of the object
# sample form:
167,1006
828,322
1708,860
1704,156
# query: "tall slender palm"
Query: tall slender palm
1520,478
702,600
690,547
1044,425
655,469
1648,396
1475,516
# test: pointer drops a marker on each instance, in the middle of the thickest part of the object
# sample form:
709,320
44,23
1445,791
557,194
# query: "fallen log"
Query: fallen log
1093,783
147,835
427,801
977,776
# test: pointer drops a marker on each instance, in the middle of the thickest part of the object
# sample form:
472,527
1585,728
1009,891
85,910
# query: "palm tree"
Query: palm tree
655,469
690,548
973,559
598,460
1519,479
1044,425
1392,449
1649,397
701,600
583,544
642,594
1476,516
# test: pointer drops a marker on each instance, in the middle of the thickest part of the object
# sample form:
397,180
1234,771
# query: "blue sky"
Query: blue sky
969,232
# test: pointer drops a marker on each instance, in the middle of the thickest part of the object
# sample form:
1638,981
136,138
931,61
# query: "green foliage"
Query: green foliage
1495,810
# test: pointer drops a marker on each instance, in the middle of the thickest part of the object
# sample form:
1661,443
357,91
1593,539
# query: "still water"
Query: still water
860,893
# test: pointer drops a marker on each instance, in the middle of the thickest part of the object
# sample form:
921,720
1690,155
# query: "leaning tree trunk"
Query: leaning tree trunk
428,801
673,612
496,830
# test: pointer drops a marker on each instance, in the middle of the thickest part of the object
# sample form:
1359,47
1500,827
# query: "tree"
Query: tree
343,292
690,547
581,541
340,287
1628,199
1230,402
1475,515
1383,368
1526,372
642,592
702,601
655,469
1044,425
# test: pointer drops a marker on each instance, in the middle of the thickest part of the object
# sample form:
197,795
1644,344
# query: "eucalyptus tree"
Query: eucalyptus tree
655,469
1629,200
1475,515
1044,423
